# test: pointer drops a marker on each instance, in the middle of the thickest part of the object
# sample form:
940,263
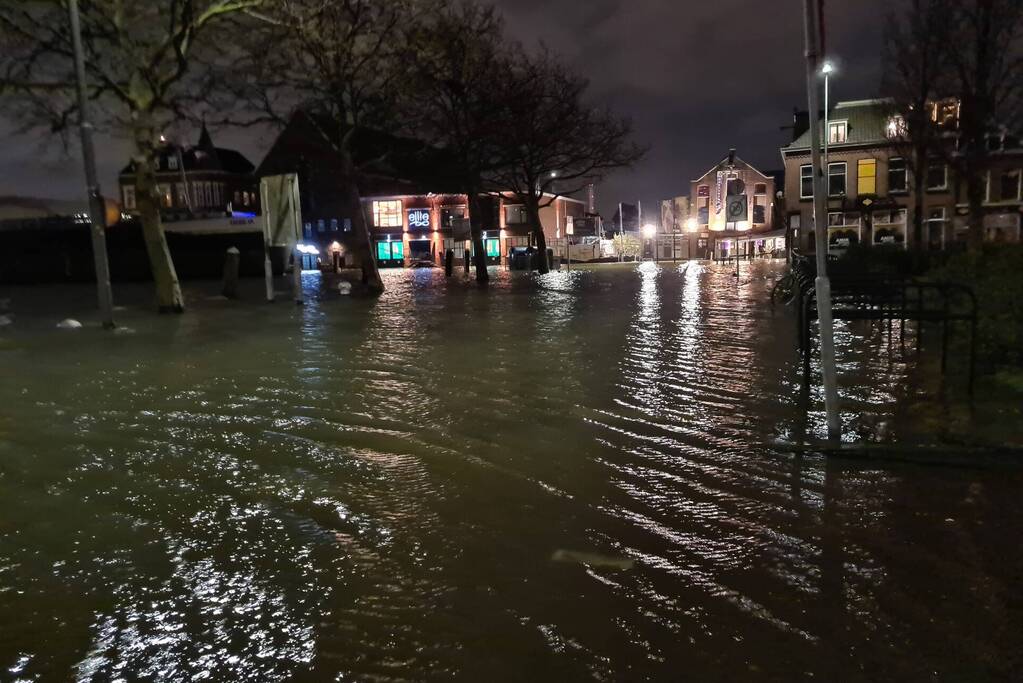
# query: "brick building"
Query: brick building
869,184
200,181
711,234
409,199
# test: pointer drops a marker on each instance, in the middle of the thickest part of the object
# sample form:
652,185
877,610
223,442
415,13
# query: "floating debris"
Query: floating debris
344,288
69,324
591,559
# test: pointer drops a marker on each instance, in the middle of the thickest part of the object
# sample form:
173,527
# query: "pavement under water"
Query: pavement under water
595,475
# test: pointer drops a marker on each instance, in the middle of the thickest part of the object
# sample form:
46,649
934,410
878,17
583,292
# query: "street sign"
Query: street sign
736,208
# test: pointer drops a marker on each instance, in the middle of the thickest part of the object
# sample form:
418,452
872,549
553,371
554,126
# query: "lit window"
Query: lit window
493,248
896,174
759,209
866,176
449,214
836,179
387,214
805,182
515,215
166,199
390,251
937,176
896,127
837,132
129,197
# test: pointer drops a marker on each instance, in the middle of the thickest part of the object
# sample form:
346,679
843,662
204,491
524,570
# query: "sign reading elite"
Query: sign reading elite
419,218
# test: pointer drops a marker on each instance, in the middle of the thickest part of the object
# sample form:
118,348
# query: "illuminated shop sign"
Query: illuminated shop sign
418,218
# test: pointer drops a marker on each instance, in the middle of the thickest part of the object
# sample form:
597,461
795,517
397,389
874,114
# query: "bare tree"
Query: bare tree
984,48
138,55
915,55
552,142
340,62
456,61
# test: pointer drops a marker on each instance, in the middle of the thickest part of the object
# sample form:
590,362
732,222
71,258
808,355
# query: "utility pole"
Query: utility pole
621,234
811,25
97,207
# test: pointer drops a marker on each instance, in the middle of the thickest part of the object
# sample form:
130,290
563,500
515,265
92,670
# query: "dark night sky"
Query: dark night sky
696,78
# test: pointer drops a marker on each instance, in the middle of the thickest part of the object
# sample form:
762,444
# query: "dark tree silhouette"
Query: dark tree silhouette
552,142
456,60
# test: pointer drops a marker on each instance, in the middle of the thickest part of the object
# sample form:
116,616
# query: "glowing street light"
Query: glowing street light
691,225
649,231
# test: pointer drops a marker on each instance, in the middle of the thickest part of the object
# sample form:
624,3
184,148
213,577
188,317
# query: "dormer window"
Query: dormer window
172,162
896,127
837,132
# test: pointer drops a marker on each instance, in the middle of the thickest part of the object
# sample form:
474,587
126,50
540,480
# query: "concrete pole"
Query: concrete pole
97,207
811,27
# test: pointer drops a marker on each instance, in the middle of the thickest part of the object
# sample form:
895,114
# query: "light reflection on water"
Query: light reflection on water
357,490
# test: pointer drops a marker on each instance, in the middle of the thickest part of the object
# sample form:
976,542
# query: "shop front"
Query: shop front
390,253
889,228
844,231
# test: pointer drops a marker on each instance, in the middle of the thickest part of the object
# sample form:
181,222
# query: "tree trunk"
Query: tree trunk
363,241
536,226
975,197
165,277
919,182
476,234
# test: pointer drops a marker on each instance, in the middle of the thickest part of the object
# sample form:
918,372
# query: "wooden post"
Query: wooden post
232,262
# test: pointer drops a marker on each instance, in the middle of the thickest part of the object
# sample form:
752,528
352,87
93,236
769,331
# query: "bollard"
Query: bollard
232,261
449,262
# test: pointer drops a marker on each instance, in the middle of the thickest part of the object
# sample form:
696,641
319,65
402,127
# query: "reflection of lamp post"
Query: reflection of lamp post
650,232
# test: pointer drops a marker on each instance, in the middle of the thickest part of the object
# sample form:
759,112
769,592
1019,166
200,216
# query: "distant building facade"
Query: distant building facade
408,198
200,181
407,229
869,183
711,233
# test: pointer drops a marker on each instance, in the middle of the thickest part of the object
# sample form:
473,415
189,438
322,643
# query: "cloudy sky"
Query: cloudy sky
695,77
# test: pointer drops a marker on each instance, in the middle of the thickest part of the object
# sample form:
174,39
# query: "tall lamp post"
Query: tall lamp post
97,207
811,28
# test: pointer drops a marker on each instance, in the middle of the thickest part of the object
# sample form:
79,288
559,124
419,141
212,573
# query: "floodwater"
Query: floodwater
585,476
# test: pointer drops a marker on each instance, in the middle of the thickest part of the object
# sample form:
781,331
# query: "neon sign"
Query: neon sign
419,218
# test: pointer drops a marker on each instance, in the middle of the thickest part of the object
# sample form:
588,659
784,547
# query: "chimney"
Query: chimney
800,122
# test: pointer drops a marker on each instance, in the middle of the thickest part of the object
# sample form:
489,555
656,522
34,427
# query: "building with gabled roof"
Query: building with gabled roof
197,181
870,185
711,233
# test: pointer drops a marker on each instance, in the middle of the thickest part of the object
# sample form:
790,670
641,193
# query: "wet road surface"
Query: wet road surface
584,476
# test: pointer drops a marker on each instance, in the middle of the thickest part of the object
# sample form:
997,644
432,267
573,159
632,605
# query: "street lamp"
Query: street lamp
650,232
691,224
827,68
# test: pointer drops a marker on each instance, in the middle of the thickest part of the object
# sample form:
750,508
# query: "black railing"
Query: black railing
887,298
